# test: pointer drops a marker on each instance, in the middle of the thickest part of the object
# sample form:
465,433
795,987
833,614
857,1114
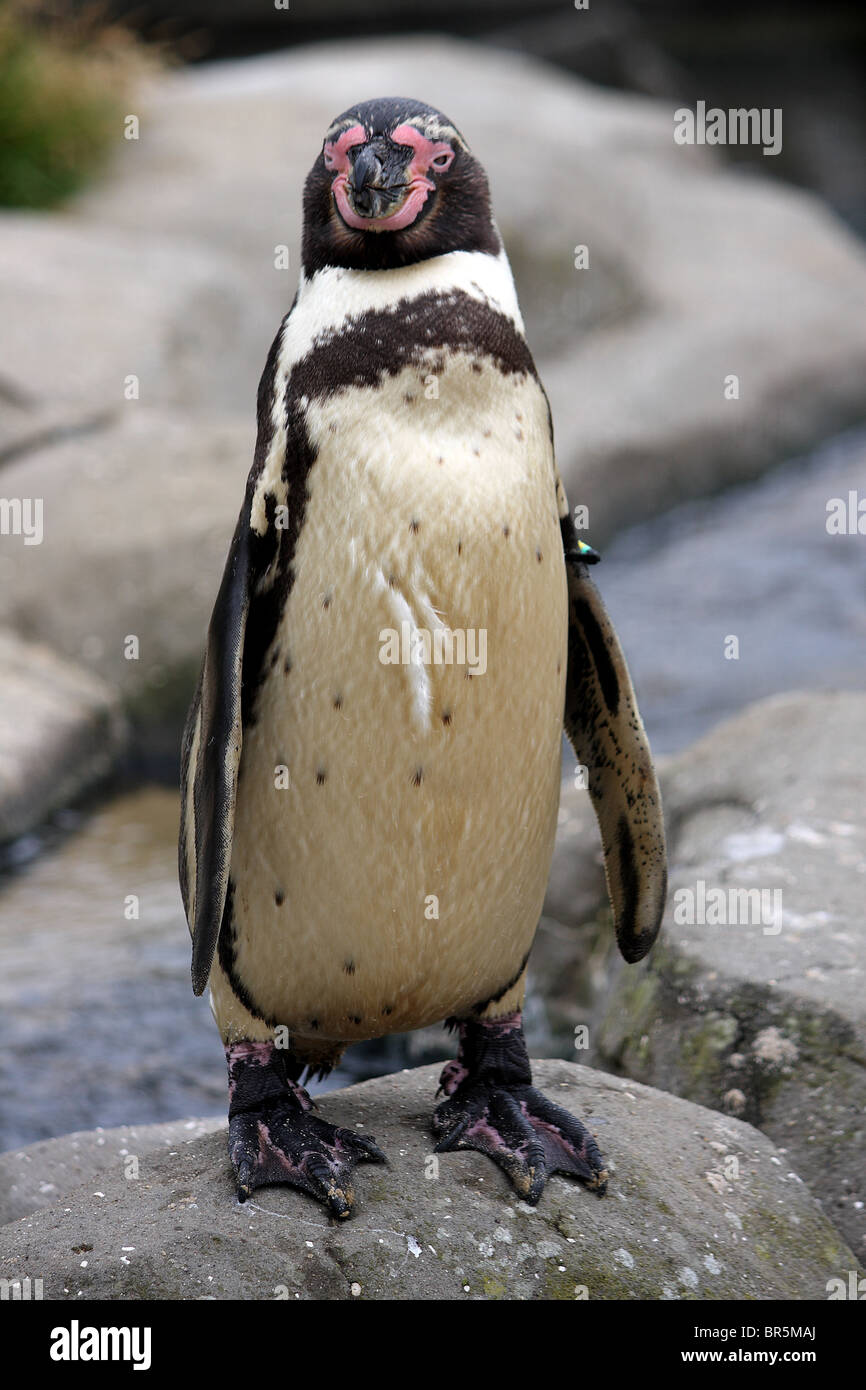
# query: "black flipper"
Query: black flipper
604,726
213,736
211,756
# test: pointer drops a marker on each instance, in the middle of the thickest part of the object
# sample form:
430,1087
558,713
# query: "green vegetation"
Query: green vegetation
65,84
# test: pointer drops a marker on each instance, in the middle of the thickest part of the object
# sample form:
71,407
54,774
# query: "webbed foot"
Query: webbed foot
275,1138
493,1107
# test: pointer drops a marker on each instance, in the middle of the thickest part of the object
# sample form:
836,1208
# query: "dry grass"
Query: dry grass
66,83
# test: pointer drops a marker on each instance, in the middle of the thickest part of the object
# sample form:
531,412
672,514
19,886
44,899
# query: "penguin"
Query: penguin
372,759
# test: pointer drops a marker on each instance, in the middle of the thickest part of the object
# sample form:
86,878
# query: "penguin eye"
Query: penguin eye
442,161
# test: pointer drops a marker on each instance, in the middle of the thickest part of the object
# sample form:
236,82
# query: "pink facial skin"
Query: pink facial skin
437,154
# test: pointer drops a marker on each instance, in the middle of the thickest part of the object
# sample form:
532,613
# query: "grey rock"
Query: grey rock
61,729
134,549
671,1227
764,1018
28,422
40,1175
577,872
86,306
574,932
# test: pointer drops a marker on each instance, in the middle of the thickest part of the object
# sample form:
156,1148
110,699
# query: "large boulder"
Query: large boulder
87,306
700,1206
41,1174
753,999
138,517
569,954
61,732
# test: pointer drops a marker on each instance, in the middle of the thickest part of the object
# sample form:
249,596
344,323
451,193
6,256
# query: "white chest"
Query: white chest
399,786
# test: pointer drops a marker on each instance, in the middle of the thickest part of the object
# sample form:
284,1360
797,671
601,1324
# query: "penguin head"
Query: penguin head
395,183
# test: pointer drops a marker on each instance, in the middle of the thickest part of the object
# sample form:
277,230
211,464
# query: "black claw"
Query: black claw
454,1135
281,1142
524,1133
492,1107
365,1143
275,1136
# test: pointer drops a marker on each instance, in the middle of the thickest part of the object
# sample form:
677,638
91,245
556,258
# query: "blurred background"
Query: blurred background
705,357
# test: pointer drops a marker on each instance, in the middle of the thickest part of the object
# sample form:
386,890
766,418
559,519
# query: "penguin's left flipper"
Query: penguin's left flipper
212,742
492,1107
604,726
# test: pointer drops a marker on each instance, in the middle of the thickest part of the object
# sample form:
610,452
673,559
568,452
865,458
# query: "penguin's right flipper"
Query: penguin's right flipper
212,747
604,726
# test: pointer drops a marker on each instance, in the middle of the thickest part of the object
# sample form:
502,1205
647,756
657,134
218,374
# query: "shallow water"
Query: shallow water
99,1024
755,563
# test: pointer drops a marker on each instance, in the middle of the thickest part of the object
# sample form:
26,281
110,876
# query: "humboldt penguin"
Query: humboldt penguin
371,763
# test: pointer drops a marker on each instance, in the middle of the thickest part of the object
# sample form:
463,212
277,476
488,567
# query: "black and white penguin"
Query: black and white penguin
371,764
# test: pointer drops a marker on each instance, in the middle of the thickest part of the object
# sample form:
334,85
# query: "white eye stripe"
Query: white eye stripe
433,129
339,126
430,127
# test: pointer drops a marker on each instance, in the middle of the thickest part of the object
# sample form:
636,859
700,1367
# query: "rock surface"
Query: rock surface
673,1225
763,1012
61,732
138,516
40,1175
84,306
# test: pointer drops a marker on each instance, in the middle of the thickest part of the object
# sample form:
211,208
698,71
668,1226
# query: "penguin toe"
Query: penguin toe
526,1135
282,1143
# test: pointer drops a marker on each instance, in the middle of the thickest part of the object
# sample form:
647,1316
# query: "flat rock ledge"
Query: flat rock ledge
673,1226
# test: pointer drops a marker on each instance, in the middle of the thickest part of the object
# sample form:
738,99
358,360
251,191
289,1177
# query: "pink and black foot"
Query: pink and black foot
493,1107
275,1138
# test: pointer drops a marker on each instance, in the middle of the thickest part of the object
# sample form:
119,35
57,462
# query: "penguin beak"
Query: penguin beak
373,190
